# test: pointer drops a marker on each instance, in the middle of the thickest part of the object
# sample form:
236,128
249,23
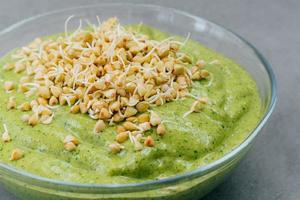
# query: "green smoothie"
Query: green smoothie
190,142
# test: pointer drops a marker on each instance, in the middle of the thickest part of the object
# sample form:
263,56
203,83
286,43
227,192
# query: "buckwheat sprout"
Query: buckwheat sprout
186,39
66,25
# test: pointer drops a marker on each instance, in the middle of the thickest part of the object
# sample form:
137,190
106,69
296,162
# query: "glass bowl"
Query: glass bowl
191,185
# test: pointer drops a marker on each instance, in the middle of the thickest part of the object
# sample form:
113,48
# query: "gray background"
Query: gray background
272,168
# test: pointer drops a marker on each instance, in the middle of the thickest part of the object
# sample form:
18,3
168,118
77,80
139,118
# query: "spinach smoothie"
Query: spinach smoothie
195,140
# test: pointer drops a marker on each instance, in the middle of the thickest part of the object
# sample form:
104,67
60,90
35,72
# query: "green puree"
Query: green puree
190,142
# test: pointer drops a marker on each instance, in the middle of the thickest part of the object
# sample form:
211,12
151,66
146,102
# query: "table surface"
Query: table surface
271,169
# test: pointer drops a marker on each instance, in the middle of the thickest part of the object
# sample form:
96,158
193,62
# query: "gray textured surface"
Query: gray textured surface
272,168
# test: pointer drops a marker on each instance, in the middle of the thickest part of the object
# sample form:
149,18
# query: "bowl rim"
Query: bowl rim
151,184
